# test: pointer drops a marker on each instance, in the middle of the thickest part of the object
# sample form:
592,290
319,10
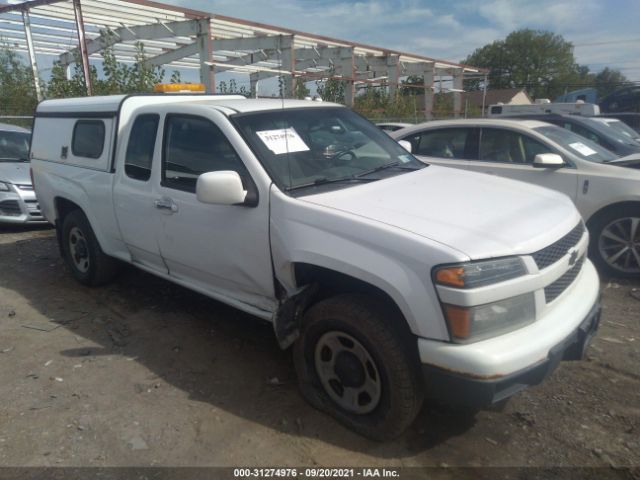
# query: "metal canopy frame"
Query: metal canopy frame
191,39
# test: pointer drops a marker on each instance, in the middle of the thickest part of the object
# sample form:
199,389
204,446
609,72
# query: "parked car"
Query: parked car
623,127
632,119
626,99
595,129
392,126
607,196
390,279
18,202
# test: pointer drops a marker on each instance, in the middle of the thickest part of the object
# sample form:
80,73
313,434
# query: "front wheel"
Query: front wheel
615,246
354,363
82,252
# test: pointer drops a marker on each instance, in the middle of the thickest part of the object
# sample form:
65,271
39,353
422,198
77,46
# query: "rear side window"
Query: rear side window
142,140
88,138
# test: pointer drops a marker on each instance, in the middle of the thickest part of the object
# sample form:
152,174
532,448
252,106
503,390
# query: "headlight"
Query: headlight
479,274
467,324
5,187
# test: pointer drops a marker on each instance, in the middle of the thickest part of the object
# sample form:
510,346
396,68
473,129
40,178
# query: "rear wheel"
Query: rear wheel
82,252
615,246
354,363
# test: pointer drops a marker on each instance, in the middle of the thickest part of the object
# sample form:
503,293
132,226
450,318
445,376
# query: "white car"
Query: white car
392,126
607,196
390,279
18,202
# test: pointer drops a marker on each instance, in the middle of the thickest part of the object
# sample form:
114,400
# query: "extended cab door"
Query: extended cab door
510,153
134,191
222,250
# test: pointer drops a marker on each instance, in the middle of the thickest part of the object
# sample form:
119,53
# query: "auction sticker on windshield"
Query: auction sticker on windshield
283,140
582,148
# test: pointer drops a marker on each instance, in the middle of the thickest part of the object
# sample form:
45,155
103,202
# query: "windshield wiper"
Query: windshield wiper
324,181
386,166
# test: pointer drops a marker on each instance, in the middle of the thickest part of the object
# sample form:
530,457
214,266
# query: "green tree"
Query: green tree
301,91
331,89
17,92
117,77
540,61
608,80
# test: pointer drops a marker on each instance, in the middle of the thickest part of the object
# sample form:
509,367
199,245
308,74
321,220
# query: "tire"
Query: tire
615,242
82,253
357,340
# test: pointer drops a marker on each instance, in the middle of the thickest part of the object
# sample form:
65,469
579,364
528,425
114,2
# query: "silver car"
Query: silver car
607,196
18,202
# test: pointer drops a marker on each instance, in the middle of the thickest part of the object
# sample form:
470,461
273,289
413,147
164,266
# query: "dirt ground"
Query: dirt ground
146,373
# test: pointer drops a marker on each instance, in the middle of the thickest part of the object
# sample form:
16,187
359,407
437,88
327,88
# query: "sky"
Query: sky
605,33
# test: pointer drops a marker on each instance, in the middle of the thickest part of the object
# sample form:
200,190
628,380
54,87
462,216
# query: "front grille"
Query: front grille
554,290
554,252
10,208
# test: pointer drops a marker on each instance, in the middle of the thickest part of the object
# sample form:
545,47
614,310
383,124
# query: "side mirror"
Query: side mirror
548,160
220,188
405,144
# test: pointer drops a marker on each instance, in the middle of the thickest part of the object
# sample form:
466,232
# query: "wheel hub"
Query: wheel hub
619,244
78,249
347,372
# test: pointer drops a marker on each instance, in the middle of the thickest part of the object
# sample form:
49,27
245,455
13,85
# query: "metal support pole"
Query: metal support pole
457,92
393,69
205,51
82,41
484,95
349,71
26,21
428,90
288,60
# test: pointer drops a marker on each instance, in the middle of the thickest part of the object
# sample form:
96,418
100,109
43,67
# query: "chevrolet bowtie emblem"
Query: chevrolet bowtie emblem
573,258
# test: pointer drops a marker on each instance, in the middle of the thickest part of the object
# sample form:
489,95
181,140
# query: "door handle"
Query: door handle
166,204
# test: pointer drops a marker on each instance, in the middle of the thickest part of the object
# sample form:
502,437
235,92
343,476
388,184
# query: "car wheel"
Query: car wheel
82,252
354,363
615,246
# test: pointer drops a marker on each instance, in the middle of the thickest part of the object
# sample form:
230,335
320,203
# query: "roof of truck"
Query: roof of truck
111,104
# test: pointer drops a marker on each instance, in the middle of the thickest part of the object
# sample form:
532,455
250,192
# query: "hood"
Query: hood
15,172
480,215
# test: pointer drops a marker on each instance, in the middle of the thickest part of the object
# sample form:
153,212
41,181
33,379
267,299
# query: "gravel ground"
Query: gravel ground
146,373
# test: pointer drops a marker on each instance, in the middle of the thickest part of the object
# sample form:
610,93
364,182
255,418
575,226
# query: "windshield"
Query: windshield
622,127
578,145
14,146
605,128
304,147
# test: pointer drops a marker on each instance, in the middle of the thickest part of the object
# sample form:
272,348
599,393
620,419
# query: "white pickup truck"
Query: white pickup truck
393,280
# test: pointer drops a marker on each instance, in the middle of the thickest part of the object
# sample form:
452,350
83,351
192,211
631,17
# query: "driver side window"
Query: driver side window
192,146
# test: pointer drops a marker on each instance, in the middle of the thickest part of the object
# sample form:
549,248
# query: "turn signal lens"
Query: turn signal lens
459,321
479,274
453,276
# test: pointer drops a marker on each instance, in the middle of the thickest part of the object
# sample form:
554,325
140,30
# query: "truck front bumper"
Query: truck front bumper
485,372
457,389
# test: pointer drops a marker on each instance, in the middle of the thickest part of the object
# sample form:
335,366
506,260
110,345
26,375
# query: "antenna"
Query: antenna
281,85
